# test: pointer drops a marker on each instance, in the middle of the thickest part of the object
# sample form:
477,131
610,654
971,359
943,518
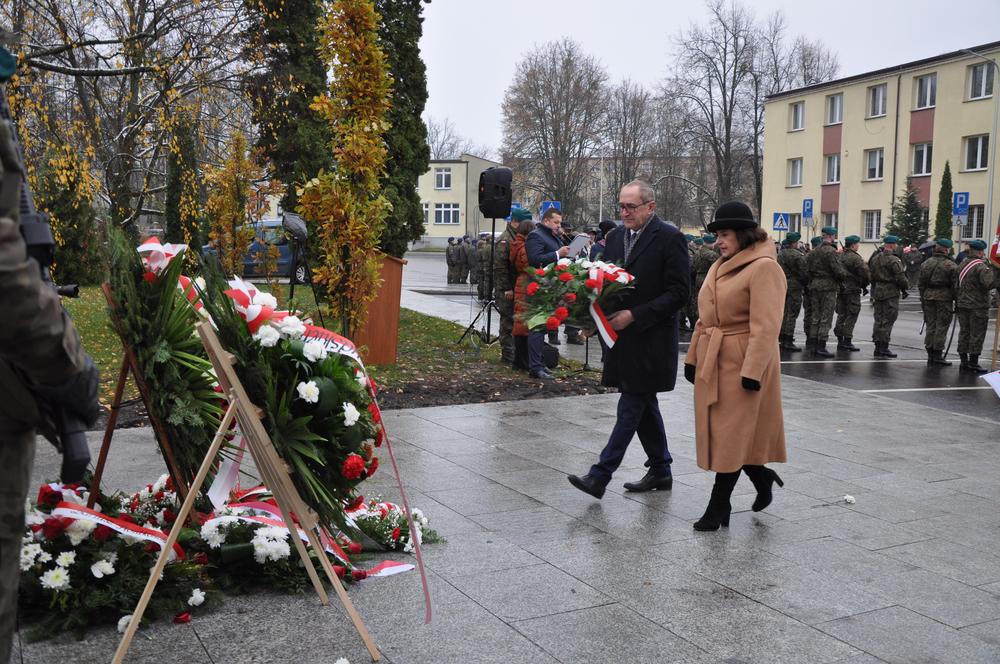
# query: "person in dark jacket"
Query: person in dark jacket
543,246
643,361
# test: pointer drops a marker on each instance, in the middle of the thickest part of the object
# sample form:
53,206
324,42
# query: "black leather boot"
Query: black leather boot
963,361
849,345
819,350
650,482
843,344
936,358
878,350
719,507
974,365
762,478
588,484
791,345
886,352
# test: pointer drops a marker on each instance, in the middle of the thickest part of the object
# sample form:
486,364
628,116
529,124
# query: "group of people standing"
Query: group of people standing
462,259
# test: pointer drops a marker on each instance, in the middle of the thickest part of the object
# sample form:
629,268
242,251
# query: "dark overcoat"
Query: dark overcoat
644,359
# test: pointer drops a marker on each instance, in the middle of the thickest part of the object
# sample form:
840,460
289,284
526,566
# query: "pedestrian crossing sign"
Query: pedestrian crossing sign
781,221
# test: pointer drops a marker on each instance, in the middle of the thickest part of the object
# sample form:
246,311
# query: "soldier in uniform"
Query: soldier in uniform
482,265
912,258
704,257
461,261
826,275
849,301
504,279
451,258
471,260
807,312
975,280
938,276
888,285
793,262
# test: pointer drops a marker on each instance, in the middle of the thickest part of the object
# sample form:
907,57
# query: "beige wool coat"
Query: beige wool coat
741,305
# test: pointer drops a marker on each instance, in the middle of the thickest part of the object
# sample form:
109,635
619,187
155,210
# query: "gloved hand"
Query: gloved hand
751,384
904,294
689,370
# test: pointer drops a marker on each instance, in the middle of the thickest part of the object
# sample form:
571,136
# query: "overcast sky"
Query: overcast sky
471,46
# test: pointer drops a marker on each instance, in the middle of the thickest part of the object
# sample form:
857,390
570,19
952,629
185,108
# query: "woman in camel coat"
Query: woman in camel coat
735,366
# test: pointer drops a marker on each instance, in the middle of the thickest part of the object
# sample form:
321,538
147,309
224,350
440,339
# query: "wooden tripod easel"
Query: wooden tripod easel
130,364
274,473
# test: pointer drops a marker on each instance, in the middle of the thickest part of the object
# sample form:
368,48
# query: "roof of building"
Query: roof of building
888,70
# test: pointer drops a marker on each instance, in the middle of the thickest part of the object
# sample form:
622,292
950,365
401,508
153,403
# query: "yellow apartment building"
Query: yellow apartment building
449,193
849,145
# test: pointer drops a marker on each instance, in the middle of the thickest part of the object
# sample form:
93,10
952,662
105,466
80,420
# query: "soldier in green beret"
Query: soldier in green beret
849,300
482,264
504,278
826,275
976,278
807,315
451,258
938,278
792,260
889,284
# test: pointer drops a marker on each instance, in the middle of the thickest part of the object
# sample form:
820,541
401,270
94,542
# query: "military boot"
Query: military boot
843,343
935,358
788,343
810,344
819,349
849,345
964,361
974,365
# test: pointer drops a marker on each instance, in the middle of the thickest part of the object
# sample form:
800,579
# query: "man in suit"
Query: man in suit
543,246
643,360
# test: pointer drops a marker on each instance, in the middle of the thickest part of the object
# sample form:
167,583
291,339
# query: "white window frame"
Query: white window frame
447,214
442,178
797,111
828,161
835,109
427,213
923,158
985,88
877,95
929,97
872,232
831,219
981,145
974,229
795,222
880,167
793,171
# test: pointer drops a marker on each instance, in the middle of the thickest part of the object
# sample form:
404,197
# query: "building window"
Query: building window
977,149
427,213
835,109
876,101
874,159
973,228
832,169
442,178
922,158
871,224
926,91
980,80
830,219
795,222
446,213
795,172
797,115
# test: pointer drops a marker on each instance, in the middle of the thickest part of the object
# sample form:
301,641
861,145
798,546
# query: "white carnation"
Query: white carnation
292,327
564,261
197,597
66,558
308,392
79,530
102,568
314,350
56,579
123,623
351,414
264,300
267,336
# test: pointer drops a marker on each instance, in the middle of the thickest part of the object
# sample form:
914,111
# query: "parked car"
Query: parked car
268,233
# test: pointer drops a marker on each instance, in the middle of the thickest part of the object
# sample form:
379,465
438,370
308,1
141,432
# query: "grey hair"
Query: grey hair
646,191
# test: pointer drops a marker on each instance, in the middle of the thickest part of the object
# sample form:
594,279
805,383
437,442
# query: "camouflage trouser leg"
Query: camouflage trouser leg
886,312
807,314
17,452
938,316
473,275
972,324
793,303
823,304
451,274
462,274
848,309
506,308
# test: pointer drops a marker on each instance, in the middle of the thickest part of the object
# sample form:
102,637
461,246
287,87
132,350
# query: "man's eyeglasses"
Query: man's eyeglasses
632,207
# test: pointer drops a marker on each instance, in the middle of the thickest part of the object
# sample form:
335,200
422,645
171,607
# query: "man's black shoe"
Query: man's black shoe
650,482
587,484
540,375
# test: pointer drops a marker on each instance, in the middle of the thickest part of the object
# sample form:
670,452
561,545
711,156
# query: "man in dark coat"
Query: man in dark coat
543,246
643,361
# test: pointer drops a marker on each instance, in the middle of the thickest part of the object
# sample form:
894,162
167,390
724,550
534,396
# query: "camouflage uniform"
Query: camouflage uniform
793,262
702,262
504,279
471,260
461,262
849,300
888,283
974,281
937,295
912,260
482,267
826,274
451,257
39,338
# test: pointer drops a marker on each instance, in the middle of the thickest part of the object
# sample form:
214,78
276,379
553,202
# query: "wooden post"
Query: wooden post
109,430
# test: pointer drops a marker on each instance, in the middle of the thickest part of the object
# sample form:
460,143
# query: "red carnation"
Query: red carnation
591,283
200,558
560,267
356,503
553,323
158,496
540,272
354,548
102,533
339,569
532,288
48,496
570,297
148,276
55,526
562,313
182,618
376,415
565,276
395,534
358,574
353,467
379,437
170,480
373,467
169,516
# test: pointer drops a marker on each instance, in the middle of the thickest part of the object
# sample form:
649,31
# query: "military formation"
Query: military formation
462,259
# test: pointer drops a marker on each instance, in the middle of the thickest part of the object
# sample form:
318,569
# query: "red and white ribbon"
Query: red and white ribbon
228,475
388,568
247,300
156,256
333,342
80,512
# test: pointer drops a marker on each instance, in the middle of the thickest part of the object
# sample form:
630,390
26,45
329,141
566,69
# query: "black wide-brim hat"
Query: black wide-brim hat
733,216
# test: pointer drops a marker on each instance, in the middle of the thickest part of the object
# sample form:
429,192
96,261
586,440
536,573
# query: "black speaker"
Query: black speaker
494,192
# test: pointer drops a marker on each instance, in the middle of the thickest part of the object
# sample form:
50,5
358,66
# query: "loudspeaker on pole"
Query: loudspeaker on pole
495,192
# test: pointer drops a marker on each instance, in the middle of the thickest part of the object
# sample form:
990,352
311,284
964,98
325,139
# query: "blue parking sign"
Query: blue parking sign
960,203
807,208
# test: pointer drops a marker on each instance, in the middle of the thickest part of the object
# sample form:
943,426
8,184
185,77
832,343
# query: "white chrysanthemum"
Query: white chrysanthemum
28,554
44,557
351,414
264,300
101,569
123,623
66,558
292,327
212,535
79,530
197,597
267,336
112,557
314,350
56,578
564,261
308,392
270,543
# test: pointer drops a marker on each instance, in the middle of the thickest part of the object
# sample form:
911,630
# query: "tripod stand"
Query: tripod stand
297,248
490,305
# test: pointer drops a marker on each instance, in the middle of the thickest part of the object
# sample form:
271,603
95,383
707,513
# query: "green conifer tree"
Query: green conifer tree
942,220
908,221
